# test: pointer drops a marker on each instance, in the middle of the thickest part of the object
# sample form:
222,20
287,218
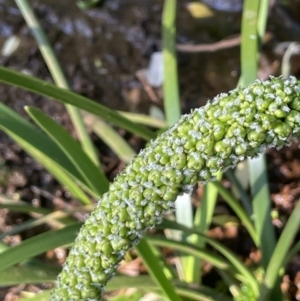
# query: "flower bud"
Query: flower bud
216,136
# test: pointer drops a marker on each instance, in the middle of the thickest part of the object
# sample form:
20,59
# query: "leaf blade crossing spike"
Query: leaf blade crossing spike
233,126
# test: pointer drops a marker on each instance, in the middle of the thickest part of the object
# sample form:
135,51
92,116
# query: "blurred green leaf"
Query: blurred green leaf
58,76
277,260
191,249
171,99
238,209
145,283
247,276
29,273
225,220
37,245
144,119
85,166
20,206
170,85
57,219
243,195
254,19
67,97
202,221
43,149
42,296
133,296
151,260
111,137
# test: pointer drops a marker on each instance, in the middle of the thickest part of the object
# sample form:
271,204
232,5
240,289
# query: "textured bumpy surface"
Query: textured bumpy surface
225,131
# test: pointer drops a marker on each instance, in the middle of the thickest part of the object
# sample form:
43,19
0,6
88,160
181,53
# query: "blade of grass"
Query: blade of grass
58,76
85,166
170,86
249,43
184,212
262,208
236,207
245,199
202,221
111,137
57,219
251,35
153,266
293,252
280,252
144,119
43,149
145,283
231,257
231,283
237,269
168,270
262,19
3,247
41,296
37,245
22,207
190,249
28,273
68,97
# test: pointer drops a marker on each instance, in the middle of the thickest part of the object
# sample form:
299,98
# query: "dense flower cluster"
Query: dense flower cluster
225,131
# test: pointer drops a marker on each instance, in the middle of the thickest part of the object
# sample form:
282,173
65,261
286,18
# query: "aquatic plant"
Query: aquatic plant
231,127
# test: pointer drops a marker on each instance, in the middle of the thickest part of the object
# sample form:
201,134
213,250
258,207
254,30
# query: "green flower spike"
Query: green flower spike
217,136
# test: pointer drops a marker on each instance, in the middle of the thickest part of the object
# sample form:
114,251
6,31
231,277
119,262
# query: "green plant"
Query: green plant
232,127
217,136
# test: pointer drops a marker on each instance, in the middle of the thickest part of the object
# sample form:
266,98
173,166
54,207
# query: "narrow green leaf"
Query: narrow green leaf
194,291
42,149
132,296
144,119
20,206
57,219
280,252
202,221
37,245
190,249
232,283
184,212
28,273
111,137
247,276
3,247
293,252
243,195
170,86
262,208
44,296
249,45
85,166
253,27
145,283
67,97
262,19
237,208
153,266
58,76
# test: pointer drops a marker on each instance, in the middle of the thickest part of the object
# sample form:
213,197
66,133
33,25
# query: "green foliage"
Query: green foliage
232,127
211,138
